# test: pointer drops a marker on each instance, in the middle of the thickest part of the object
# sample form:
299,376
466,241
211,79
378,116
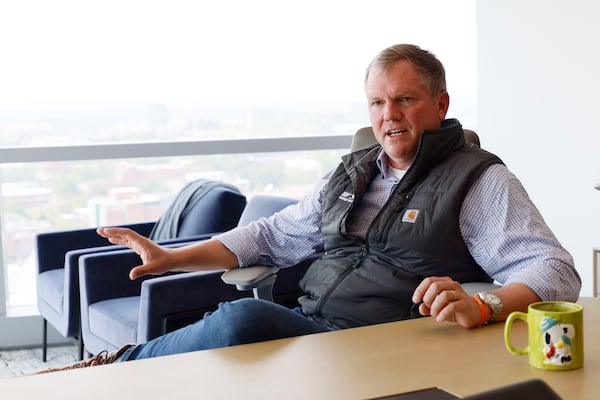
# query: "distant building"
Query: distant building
124,205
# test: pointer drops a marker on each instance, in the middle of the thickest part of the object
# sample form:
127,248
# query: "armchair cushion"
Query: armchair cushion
114,321
50,284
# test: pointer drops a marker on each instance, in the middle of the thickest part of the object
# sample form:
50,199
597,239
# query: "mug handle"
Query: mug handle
507,330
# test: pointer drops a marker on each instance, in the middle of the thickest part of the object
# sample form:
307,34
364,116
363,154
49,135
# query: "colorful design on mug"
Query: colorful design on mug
557,341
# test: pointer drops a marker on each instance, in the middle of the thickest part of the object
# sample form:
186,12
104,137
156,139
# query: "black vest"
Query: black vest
415,235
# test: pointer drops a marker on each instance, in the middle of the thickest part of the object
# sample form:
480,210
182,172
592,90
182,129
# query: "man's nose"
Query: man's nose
392,111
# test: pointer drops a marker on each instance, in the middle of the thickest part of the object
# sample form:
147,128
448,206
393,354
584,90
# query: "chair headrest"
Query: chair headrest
263,206
471,137
363,138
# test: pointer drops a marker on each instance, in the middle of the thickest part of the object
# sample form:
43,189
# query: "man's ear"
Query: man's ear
443,104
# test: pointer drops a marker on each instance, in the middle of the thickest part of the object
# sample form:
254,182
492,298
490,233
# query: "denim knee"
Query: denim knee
239,322
251,320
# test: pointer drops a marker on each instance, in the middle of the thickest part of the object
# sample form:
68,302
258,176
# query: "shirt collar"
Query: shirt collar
382,165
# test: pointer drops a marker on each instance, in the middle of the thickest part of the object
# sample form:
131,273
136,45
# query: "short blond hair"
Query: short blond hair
433,75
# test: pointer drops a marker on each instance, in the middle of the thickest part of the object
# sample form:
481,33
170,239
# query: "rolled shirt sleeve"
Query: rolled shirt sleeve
510,240
284,239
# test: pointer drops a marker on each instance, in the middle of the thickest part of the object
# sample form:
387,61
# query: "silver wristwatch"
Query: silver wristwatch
493,301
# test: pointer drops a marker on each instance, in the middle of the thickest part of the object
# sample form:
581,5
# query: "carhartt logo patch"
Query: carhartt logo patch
410,216
348,197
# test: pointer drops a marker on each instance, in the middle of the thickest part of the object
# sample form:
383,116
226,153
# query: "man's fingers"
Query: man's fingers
120,236
447,313
430,288
425,287
142,270
136,272
424,310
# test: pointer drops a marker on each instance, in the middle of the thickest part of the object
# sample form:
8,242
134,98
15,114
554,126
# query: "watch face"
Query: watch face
494,302
491,299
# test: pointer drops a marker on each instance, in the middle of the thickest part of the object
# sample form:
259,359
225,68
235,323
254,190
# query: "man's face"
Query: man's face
400,108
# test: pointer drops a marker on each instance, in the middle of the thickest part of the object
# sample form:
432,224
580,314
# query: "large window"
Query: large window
94,72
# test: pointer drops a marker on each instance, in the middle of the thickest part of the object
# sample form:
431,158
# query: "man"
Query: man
401,224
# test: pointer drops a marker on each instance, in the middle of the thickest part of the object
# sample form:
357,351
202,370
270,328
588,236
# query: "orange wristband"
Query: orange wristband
485,315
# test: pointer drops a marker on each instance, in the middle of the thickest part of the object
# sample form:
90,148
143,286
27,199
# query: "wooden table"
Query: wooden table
356,363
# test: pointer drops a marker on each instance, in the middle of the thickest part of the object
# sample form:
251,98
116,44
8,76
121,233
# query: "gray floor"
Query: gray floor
27,361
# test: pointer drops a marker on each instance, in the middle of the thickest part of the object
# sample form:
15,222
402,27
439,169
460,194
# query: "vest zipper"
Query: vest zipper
404,201
364,249
363,253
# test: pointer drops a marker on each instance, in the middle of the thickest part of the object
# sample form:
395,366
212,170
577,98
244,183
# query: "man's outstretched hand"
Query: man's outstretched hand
155,259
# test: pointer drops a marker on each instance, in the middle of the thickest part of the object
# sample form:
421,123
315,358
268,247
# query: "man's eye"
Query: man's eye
405,99
376,103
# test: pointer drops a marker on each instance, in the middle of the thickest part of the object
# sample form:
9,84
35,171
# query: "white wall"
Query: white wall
538,103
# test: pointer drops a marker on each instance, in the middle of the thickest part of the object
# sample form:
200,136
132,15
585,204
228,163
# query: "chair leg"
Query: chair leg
80,346
265,290
44,339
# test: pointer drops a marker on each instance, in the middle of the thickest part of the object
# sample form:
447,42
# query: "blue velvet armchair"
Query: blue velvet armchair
116,311
200,208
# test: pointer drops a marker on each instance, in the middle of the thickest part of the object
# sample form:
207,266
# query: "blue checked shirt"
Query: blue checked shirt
503,230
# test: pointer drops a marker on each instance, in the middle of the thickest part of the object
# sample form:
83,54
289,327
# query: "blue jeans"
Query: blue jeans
237,322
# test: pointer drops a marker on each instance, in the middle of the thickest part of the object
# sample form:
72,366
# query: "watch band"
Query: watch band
485,312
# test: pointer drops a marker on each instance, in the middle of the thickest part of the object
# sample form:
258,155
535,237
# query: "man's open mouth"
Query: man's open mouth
395,132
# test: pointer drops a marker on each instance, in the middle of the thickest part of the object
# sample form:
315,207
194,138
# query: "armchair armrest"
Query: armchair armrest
187,295
105,275
258,278
52,246
475,287
119,260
